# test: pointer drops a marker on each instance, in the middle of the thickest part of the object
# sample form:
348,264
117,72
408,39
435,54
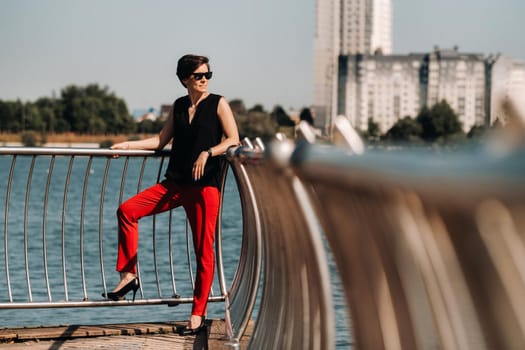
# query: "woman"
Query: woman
197,124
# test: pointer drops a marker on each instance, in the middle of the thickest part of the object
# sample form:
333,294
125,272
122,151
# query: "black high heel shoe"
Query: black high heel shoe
192,331
133,285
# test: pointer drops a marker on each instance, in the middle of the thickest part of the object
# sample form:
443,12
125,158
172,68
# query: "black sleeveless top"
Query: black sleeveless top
189,140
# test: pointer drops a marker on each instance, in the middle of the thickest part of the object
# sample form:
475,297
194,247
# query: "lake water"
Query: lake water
232,236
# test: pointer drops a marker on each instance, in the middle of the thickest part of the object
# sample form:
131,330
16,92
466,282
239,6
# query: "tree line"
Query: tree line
256,122
437,124
96,110
85,110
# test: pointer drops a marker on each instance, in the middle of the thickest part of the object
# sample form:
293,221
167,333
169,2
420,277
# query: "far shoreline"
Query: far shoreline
55,144
68,139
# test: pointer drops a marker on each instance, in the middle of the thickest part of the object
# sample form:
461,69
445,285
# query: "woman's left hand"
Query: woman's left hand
198,166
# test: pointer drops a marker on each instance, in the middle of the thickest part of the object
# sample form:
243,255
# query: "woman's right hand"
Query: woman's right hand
121,145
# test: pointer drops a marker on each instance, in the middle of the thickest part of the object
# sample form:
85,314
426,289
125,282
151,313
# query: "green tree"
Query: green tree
237,106
95,110
256,123
306,115
281,117
257,108
147,126
404,130
477,132
439,122
70,97
115,112
373,130
18,117
8,119
49,112
28,139
32,118
89,109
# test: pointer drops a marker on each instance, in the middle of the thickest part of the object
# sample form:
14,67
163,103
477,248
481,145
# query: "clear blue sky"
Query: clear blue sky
261,50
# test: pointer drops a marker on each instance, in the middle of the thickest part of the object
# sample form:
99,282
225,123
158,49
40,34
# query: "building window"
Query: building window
461,105
397,106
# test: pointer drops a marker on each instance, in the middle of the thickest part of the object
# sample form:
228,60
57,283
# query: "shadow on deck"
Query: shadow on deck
162,335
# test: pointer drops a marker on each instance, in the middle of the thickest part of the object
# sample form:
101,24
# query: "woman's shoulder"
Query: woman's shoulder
214,97
181,100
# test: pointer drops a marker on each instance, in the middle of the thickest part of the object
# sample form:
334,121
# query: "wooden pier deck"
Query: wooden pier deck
143,336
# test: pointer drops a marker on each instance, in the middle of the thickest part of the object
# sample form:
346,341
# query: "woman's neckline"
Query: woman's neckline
191,116
206,95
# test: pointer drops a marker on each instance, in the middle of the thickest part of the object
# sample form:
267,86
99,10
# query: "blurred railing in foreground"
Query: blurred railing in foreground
295,310
430,247
431,253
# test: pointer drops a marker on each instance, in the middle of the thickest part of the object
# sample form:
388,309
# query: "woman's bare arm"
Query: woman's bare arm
154,142
229,126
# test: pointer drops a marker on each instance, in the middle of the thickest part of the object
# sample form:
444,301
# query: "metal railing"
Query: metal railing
430,249
243,293
429,258
295,310
60,280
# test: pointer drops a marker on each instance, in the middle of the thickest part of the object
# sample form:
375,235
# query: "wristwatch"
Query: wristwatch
209,152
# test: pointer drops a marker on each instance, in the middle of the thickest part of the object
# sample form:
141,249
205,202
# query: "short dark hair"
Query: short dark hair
188,64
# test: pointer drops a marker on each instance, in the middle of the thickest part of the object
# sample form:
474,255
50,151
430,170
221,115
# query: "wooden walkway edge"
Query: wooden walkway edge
162,335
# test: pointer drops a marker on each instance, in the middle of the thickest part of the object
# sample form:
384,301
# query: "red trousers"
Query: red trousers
201,204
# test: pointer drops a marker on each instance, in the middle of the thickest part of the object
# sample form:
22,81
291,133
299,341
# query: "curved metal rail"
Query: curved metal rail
431,249
296,310
36,209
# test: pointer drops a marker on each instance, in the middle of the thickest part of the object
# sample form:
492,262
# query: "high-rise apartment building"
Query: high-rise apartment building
345,27
391,87
365,27
508,78
381,88
325,59
461,80
357,75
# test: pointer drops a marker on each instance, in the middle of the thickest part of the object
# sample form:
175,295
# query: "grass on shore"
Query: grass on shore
70,137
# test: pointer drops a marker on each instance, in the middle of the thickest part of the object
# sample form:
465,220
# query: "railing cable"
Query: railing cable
63,228
44,235
100,223
82,221
6,235
26,240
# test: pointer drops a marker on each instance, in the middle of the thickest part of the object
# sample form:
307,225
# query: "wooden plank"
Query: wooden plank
76,331
7,334
217,341
89,336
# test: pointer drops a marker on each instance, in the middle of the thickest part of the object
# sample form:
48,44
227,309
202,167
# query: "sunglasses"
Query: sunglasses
199,76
